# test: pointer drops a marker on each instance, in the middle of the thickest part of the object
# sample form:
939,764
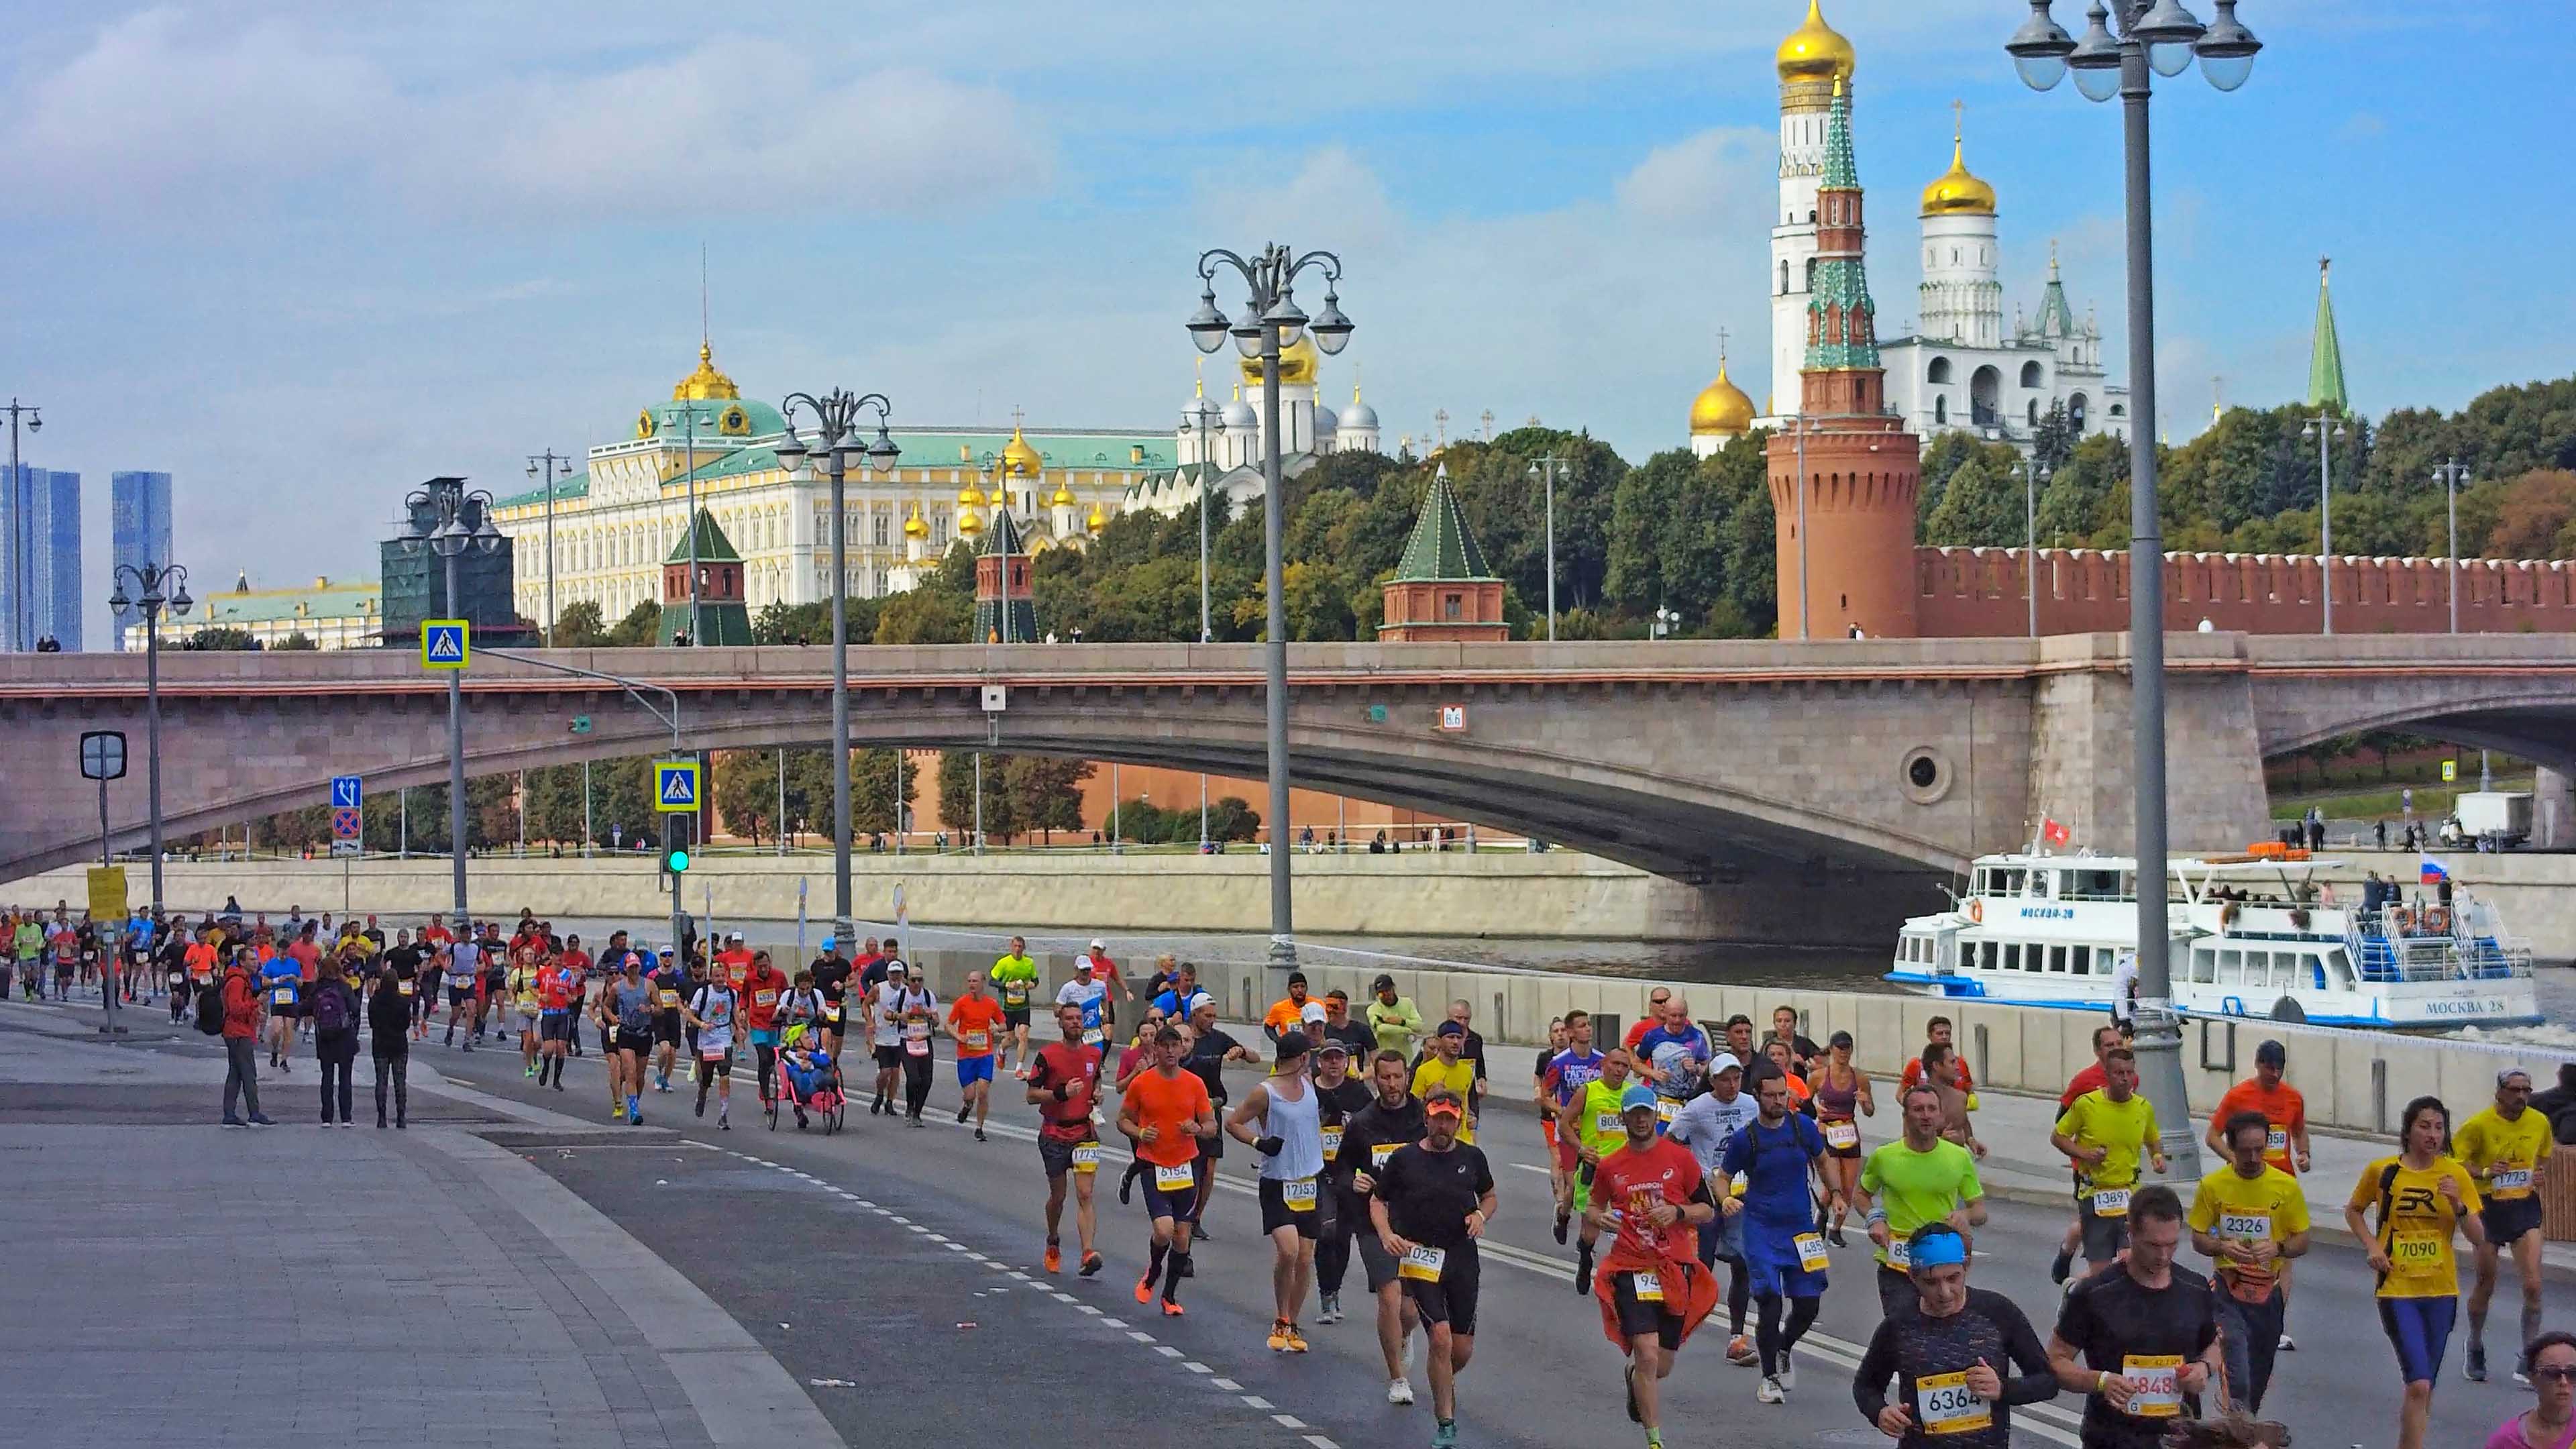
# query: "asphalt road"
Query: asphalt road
897,1271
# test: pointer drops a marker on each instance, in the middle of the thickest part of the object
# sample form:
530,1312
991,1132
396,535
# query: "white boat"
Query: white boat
2266,940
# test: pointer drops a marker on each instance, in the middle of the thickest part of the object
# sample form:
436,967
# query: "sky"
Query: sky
303,256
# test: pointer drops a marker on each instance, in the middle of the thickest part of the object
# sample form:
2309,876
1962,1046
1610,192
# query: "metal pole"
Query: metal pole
456,758
152,736
522,793
2325,516
842,927
1550,460
691,524
978,847
1283,936
1805,627
402,838
1206,634
17,521
2159,1038
2451,507
104,858
2030,538
550,548
587,835
1113,807
782,800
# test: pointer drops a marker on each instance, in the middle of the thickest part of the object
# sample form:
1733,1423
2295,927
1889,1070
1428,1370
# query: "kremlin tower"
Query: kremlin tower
1862,469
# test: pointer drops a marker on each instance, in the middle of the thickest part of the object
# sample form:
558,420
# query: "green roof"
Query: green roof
1842,169
1102,448
1841,283
1442,548
712,545
731,465
271,606
2325,354
575,486
671,420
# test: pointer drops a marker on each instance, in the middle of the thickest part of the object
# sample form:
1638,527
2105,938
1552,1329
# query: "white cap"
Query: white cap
735,936
1199,999
896,965
1314,1012
1098,944
1724,1062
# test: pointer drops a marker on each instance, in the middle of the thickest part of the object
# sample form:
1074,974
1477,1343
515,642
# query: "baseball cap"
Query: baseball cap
1724,1062
1636,1097
733,936
897,968
2272,1053
1199,999
1098,944
1331,1047
1314,1012
1292,1044
1444,1101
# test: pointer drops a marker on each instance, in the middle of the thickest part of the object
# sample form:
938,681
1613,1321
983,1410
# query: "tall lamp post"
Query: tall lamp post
156,587
1548,467
2033,473
20,621
542,467
2451,475
452,518
1272,320
836,443
2157,39
2322,427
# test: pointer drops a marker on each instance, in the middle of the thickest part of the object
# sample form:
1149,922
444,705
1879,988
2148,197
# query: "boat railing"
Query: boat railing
2391,959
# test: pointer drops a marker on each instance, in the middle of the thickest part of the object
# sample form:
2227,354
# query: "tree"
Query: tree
880,780
641,626
298,641
926,614
2534,517
2053,441
1045,792
1980,508
221,637
957,794
812,623
747,793
579,626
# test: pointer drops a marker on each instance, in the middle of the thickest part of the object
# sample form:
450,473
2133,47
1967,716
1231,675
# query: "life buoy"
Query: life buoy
2437,921
1977,911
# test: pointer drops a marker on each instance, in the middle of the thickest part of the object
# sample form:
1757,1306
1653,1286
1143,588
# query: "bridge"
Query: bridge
1731,765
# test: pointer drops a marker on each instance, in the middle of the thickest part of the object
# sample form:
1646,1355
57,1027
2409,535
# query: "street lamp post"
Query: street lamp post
20,621
2451,475
2323,427
2154,40
447,504
1272,321
2033,473
156,586
836,421
1547,467
542,468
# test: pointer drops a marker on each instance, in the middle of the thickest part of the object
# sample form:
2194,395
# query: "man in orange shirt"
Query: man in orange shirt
735,961
1289,1012
976,1021
1938,1031
2283,1109
1166,1111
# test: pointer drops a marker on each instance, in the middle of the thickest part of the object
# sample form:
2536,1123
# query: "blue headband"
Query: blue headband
1935,1249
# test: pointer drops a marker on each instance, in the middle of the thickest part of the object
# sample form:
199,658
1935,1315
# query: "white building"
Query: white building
1232,444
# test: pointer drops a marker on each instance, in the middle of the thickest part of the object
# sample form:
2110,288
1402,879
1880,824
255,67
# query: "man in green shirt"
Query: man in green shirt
1015,979
1921,1177
1395,1019
2105,1132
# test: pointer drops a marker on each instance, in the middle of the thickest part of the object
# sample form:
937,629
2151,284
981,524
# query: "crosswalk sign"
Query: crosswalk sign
444,643
675,786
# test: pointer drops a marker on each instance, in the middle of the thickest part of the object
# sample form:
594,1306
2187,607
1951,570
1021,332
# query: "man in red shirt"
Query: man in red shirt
759,986
436,932
1938,1030
241,998
1652,1289
735,962
1064,1085
1656,1000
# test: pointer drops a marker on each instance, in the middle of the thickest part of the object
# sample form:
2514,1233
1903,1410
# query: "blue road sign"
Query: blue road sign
443,644
348,792
675,785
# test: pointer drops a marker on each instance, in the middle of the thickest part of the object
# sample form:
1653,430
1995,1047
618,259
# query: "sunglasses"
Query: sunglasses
2556,1373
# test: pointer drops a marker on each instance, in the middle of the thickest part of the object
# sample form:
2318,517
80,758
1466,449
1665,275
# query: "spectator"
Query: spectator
335,1010
2558,1104
241,1006
389,1042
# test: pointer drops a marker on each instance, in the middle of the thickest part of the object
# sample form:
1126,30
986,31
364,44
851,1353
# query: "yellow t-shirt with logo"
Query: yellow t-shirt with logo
2121,1129
1459,1077
2489,1145
2236,1208
2416,1225
1597,1106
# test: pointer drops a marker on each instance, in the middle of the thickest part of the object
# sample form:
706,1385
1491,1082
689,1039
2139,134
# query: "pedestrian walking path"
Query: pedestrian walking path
175,1282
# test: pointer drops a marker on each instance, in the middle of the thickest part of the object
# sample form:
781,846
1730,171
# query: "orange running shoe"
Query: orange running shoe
1296,1340
1054,1259
1171,1309
1145,1289
1279,1335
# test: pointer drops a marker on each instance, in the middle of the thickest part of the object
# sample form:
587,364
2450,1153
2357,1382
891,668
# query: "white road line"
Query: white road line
1288,1421
1196,1367
1229,1385
1255,1401
1320,1442
1094,1312
1166,1350
1139,1336
1531,1167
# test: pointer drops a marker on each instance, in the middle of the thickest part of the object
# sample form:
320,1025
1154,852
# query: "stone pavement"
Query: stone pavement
292,1286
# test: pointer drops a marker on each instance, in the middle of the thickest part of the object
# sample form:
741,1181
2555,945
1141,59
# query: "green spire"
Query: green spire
1441,547
1842,173
2056,316
1841,287
2325,354
713,546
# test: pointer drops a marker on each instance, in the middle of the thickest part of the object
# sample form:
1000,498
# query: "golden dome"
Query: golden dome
1721,409
968,525
914,527
1019,460
1097,521
971,496
1815,51
1297,362
1957,193
706,382
1062,497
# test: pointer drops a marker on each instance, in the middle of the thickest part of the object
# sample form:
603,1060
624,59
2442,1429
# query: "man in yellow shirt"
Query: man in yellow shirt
2252,1218
1446,1068
2104,1132
2506,1148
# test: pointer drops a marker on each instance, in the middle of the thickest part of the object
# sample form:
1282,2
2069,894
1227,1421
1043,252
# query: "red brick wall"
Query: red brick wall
1977,593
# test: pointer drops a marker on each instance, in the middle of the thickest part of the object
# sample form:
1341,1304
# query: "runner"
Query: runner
831,972
2103,1134
1089,992
2141,1341
464,985
977,1023
1447,1069
1394,1020
630,1004
2506,1149
1784,1029
1545,1098
282,988
1015,980
2550,1423
1288,1013
2422,1195
1338,1096
1947,1076
1208,1049
2284,1110
1784,1255
524,996
1290,1139
1391,1120
882,1014
1064,1085
1944,1356
1430,1201
2252,1219
2090,1080
673,984
1842,1096
1653,1289
713,1010
1707,1124
1338,1026
1919,1178
762,989
559,986
1563,1073
1597,1133
1167,1112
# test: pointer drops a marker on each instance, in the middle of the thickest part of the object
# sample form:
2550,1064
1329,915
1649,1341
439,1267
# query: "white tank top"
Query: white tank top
1298,1124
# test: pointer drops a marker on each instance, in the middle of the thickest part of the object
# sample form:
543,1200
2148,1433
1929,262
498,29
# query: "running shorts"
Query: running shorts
1057,1154
971,1070
2420,1330
715,1066
1160,1204
2508,1220
2104,1238
1015,1016
889,1057
1451,1300
555,1026
1639,1316
638,1042
1277,1214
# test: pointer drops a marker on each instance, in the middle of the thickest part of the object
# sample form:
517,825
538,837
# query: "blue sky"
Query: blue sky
303,256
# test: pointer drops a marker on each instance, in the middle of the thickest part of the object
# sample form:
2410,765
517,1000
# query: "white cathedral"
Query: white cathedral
1960,369
1224,441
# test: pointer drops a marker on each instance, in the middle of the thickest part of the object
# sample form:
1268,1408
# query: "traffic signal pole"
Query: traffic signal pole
675,865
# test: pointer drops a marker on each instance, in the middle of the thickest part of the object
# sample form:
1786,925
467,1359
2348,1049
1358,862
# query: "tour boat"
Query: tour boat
2264,940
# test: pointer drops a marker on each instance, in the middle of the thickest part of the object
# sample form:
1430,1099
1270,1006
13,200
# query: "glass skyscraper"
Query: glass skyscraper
40,596
140,524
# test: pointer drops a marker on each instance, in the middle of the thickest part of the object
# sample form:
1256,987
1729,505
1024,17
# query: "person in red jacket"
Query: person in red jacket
242,1010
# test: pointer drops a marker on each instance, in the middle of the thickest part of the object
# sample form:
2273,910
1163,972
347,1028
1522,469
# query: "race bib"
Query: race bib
977,1041
2158,1381
1842,1133
1086,1157
1649,1287
2509,1179
1949,1406
1299,1195
916,1047
1899,1254
2111,1202
2277,1139
1380,1152
282,996
1091,1036
1423,1264
1175,1179
2250,1227
1813,1256
831,1013
1665,1107
404,987
2416,1252
670,999
1332,1143
1605,1124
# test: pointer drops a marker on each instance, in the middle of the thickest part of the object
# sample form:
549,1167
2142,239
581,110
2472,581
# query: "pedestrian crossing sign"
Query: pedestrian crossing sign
444,643
675,786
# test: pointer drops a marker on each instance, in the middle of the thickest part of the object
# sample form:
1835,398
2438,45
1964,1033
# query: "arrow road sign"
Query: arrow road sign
348,792
675,786
444,644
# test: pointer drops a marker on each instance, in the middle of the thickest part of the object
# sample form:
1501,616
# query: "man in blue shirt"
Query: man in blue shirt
1676,1028
1784,1255
1561,1082
280,981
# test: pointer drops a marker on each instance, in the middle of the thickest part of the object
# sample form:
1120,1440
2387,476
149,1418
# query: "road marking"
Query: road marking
1166,1350
1229,1385
1140,1337
1531,1167
1196,1367
1255,1401
1288,1421
1320,1442
1094,1312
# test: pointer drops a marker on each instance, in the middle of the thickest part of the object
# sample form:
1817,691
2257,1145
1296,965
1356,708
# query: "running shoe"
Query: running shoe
1145,1288
1399,1391
962,1113
702,1106
2476,1369
1054,1258
980,1137
1330,1310
1171,1309
1279,1335
1788,1374
1583,1269
1092,1263
1834,1235
2288,1345
1629,1377
1296,1340
2060,1266
1561,1220
1770,1392
1444,1435
1739,1352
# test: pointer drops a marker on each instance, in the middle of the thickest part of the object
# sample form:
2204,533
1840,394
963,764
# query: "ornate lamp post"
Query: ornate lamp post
546,467
156,587
1548,467
1272,320
451,519
2451,475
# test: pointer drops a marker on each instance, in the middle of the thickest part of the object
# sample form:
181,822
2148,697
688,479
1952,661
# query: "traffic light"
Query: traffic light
675,845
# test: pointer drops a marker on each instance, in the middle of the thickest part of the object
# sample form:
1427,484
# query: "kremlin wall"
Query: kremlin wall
1977,593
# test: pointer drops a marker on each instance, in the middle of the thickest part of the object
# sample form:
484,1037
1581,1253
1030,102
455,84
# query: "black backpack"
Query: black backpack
210,1008
331,1008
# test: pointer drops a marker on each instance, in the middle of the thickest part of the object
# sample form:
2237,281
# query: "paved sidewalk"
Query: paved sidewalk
178,1283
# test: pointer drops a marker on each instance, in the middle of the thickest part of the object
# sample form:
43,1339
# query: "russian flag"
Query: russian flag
2431,872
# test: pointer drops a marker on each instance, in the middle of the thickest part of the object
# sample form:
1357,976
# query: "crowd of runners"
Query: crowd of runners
1692,1173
